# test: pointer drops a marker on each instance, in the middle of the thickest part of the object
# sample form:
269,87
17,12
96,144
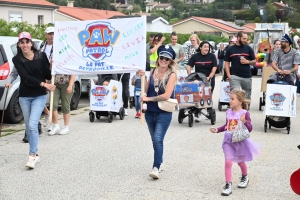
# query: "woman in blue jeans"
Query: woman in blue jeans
33,68
159,87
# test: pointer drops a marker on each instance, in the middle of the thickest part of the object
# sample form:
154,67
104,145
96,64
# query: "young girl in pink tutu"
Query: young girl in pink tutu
238,152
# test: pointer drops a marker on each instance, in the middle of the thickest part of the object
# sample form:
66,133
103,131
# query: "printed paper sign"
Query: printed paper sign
100,47
281,100
106,98
224,92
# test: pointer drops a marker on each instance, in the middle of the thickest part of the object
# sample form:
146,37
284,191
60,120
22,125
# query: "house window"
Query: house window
15,16
40,19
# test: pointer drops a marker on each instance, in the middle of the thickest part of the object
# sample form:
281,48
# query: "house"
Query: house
125,7
209,26
150,6
154,23
163,6
199,1
280,5
70,13
31,11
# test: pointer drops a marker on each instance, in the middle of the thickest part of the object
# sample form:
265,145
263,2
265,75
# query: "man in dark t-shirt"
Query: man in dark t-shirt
241,56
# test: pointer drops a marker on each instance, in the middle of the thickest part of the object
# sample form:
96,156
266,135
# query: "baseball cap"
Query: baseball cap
25,35
49,29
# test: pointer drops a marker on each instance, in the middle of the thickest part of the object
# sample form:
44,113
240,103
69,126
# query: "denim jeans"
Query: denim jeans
32,108
158,124
221,62
137,103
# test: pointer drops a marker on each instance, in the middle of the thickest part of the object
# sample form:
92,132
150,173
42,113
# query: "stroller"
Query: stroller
106,100
278,121
202,99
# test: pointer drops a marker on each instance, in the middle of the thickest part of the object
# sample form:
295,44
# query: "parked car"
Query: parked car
13,113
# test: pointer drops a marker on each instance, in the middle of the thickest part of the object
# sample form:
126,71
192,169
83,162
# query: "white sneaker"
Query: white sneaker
227,189
46,121
64,131
243,182
32,161
54,130
50,126
161,168
154,173
198,119
126,111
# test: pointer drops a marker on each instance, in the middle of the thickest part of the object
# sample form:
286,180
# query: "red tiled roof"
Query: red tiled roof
250,26
87,13
217,23
31,2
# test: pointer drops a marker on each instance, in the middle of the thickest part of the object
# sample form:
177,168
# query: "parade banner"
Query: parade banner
100,46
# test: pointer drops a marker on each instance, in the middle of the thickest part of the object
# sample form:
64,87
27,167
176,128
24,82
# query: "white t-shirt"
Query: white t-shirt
47,50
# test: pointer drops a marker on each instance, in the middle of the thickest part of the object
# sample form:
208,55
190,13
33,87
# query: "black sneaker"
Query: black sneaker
25,139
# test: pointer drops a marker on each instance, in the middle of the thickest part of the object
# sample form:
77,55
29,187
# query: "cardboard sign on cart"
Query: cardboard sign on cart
224,92
106,98
193,94
281,100
266,73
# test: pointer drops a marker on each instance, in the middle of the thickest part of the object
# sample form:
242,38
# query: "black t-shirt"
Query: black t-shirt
32,73
203,63
233,55
221,54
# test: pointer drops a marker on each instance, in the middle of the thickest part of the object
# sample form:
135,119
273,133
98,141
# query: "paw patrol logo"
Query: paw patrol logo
227,91
97,40
99,93
185,89
277,99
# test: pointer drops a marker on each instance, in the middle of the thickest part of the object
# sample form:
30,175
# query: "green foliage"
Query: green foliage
173,20
219,13
257,20
136,8
182,38
59,2
95,4
228,4
270,12
245,15
14,28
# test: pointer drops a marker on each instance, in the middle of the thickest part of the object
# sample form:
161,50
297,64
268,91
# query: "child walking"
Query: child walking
136,82
238,152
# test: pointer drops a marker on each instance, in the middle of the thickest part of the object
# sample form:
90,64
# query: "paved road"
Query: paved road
111,161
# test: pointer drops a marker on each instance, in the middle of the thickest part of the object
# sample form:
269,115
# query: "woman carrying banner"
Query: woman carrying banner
33,68
159,87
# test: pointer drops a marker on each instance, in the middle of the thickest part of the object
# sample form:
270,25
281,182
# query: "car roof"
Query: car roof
11,39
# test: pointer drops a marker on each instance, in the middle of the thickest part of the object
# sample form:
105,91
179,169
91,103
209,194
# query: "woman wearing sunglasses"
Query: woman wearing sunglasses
159,87
33,68
205,63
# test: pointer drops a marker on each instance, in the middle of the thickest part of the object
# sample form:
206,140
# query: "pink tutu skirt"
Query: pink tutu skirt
239,151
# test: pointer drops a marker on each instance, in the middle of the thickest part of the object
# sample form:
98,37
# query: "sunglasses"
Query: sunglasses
161,58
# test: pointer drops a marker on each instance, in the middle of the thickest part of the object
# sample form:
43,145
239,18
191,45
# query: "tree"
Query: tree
269,12
59,2
96,4
136,8
173,20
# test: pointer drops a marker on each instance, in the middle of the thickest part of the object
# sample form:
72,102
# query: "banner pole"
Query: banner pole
51,101
142,94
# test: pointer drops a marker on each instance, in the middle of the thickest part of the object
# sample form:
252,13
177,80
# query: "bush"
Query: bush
294,24
182,38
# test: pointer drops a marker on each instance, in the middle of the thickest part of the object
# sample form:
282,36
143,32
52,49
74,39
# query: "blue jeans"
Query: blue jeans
32,108
137,103
221,62
158,124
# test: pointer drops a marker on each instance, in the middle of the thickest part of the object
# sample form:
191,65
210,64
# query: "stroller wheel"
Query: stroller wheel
191,120
260,103
266,125
219,106
121,113
288,128
213,116
92,116
98,115
110,117
180,115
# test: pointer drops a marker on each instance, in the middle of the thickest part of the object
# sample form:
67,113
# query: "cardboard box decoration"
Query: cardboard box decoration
266,73
193,94
281,100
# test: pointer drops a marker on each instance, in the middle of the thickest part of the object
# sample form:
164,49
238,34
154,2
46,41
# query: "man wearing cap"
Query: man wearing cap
241,56
285,61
